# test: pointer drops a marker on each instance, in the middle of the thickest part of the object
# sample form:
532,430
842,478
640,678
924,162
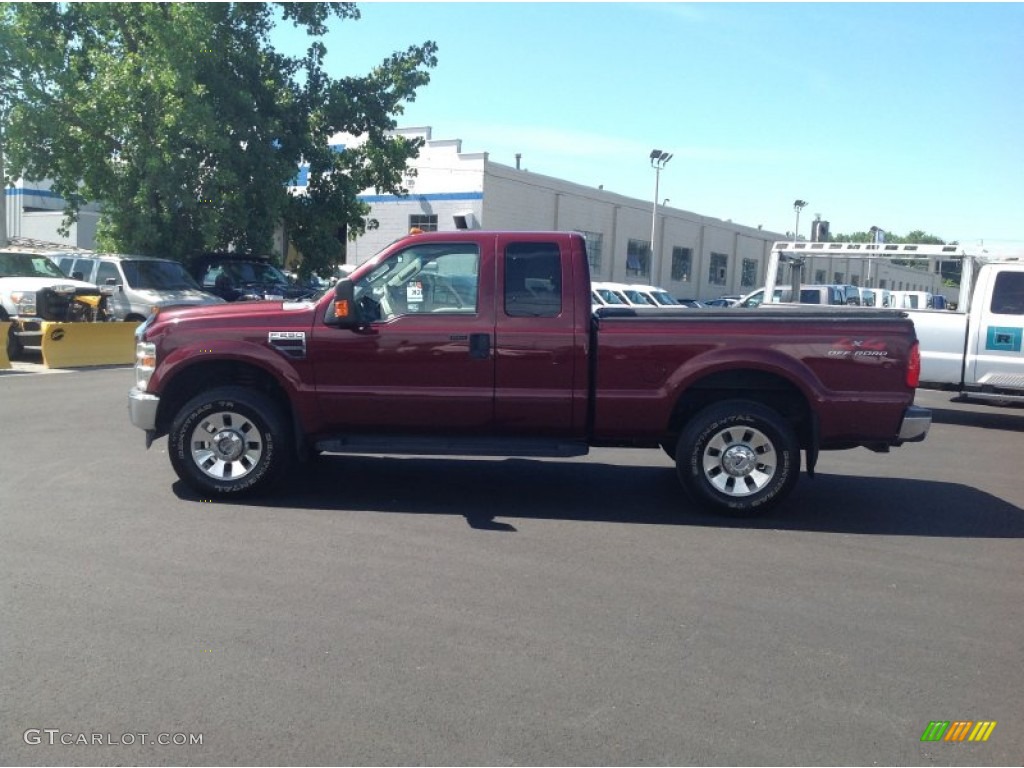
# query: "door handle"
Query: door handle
480,346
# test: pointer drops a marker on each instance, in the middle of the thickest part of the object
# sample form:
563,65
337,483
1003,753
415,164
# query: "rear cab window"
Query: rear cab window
533,280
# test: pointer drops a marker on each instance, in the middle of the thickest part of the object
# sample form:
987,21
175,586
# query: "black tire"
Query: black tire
738,457
14,345
230,441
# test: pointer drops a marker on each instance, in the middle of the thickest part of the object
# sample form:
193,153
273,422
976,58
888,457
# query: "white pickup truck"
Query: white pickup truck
975,350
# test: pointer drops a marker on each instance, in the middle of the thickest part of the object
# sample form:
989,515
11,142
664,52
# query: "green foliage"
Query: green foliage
916,236
950,269
188,126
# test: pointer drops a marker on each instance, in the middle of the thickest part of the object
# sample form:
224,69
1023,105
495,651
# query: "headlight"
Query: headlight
145,363
24,302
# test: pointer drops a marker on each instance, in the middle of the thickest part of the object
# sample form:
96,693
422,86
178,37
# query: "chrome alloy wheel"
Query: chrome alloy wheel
226,446
739,460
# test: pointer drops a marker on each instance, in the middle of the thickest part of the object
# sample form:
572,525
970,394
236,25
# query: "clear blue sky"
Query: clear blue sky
903,116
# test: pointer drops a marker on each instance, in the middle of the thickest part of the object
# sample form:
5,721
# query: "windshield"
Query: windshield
249,272
28,265
158,276
609,297
638,298
663,298
434,277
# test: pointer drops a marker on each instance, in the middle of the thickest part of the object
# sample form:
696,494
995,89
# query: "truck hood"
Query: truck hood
240,313
165,298
38,283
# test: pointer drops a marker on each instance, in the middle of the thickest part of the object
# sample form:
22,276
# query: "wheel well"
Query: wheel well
202,376
769,389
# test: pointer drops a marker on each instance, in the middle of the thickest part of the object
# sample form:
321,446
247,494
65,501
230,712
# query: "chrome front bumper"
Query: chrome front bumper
916,422
142,408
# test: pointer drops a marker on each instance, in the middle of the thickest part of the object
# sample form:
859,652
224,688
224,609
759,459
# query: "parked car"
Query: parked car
659,296
609,294
724,301
245,277
692,303
140,283
34,290
913,300
833,295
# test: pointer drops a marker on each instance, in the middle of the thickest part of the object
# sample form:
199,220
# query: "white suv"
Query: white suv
33,290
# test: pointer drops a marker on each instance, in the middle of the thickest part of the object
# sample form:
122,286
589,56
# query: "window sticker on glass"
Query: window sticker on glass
414,295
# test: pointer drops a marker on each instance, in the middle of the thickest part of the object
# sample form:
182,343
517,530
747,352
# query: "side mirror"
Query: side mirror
342,311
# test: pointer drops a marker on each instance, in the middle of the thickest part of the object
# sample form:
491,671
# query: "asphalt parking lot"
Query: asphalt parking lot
412,611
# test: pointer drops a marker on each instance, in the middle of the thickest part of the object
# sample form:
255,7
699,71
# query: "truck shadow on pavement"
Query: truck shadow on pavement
997,418
500,494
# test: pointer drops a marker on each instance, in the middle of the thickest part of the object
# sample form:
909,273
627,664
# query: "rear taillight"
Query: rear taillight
914,366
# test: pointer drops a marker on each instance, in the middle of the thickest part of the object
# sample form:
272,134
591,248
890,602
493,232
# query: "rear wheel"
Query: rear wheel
230,441
738,457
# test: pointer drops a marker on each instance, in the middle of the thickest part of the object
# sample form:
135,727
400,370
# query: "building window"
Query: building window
594,240
819,276
855,279
749,277
638,258
423,222
718,272
838,277
881,284
682,264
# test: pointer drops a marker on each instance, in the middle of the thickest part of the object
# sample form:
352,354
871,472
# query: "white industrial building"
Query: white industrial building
695,256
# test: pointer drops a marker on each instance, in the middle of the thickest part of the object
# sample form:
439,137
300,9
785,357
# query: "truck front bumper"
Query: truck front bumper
142,408
916,422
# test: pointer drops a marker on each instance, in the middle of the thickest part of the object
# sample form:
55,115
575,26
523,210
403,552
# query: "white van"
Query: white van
609,294
139,283
912,300
833,295
659,296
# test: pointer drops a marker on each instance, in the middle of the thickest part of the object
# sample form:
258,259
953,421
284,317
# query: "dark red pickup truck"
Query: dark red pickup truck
485,343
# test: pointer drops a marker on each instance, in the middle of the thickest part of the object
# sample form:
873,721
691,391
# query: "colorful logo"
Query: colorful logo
958,730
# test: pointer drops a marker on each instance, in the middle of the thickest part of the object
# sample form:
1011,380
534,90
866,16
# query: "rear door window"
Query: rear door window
533,280
107,271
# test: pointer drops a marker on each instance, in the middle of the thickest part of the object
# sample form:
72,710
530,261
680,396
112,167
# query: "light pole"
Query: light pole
798,205
877,236
658,161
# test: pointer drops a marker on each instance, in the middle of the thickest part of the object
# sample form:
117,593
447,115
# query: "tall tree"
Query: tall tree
188,126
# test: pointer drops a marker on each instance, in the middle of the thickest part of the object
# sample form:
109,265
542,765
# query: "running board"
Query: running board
453,446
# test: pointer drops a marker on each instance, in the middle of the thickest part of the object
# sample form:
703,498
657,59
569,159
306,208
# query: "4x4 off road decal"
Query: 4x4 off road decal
859,348
289,343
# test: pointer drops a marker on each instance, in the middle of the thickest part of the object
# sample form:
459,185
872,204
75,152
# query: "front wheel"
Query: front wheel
230,441
739,457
